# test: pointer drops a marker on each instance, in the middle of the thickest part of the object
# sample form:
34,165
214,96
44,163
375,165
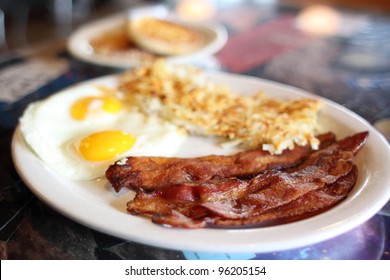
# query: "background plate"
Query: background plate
79,43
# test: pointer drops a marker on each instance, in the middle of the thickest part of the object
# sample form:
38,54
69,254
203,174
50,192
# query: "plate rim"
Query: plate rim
319,234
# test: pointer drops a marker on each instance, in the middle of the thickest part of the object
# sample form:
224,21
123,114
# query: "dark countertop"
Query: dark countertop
350,66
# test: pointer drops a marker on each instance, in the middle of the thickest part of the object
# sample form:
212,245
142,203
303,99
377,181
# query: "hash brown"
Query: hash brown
184,96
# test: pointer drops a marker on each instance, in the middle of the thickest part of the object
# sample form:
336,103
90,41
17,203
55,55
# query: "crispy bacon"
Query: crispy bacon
265,197
151,173
306,206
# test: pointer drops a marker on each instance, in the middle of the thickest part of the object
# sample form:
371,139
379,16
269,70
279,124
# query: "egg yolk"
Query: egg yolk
105,145
83,106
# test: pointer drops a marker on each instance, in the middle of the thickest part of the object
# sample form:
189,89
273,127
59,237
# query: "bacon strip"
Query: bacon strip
306,206
236,202
151,173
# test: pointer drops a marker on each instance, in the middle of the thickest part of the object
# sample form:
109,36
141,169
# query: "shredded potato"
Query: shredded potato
184,96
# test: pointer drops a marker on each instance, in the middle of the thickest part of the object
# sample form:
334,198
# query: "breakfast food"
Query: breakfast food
308,205
79,132
325,177
111,41
116,43
151,173
164,37
282,170
184,96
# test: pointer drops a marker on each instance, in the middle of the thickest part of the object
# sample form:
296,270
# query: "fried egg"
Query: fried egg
78,133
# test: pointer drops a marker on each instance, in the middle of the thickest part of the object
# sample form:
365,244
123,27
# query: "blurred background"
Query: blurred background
27,22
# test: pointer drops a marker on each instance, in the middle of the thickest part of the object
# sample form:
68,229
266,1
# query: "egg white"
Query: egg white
53,134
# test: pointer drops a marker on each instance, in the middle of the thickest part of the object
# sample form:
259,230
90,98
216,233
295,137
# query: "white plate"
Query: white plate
96,205
79,43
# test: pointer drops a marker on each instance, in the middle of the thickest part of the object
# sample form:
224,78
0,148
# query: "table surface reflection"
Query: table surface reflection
347,61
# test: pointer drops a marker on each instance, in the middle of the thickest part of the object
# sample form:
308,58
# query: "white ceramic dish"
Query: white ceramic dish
215,36
96,205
